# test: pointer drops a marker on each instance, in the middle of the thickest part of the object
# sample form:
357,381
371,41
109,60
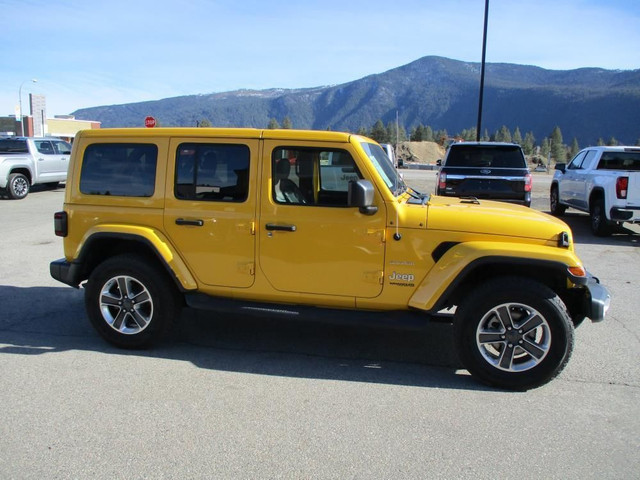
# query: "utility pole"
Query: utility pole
484,54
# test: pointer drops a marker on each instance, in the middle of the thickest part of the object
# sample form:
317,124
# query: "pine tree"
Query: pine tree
362,131
574,149
273,123
517,136
612,142
417,133
529,143
428,134
379,133
558,150
286,123
545,148
204,123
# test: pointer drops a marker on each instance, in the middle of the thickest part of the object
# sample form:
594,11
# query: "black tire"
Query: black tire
555,207
513,333
17,186
600,226
130,302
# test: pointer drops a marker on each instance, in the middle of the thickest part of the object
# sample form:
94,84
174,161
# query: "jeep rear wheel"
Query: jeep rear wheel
513,333
17,186
130,302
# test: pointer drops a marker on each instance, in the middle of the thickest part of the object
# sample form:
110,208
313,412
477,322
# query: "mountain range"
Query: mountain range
587,103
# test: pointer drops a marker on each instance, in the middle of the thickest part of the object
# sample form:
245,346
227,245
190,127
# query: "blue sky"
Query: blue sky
89,53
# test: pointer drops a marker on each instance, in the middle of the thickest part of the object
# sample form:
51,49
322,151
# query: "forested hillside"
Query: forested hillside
588,105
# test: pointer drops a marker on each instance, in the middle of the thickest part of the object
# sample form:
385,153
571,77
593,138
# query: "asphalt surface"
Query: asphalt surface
261,398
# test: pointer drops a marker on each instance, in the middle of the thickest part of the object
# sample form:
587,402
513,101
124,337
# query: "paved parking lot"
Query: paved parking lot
255,398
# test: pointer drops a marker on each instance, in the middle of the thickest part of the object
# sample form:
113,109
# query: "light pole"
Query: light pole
484,54
20,100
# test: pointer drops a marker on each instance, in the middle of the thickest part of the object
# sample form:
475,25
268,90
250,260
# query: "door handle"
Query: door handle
280,228
184,221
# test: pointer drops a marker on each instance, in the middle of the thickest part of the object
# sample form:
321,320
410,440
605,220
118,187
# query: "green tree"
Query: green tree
273,123
600,142
204,123
379,133
558,150
362,131
286,123
638,142
517,137
574,149
428,134
612,142
529,143
417,133
485,136
503,135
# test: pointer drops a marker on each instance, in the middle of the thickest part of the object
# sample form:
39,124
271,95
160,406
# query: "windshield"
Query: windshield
383,165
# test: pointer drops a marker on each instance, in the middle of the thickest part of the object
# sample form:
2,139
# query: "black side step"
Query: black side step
410,319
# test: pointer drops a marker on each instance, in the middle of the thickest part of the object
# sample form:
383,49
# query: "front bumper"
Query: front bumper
599,299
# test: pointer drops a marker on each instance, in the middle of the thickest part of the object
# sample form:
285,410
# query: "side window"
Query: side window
62,148
212,172
588,159
44,146
312,176
117,169
576,163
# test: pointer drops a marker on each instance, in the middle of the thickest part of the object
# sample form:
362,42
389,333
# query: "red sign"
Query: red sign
149,122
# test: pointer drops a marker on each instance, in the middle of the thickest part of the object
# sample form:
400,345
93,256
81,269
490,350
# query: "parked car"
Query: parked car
312,224
485,170
602,181
388,149
27,161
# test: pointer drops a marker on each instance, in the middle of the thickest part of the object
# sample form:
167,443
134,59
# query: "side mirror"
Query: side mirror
561,166
439,162
361,195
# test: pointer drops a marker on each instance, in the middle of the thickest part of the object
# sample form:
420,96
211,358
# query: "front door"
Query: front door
210,208
311,241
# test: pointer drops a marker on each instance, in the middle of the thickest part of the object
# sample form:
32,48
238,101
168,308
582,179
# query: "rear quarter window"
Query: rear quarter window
485,157
119,169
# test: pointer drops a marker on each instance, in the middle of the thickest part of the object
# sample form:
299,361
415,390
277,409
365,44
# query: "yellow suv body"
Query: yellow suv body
306,223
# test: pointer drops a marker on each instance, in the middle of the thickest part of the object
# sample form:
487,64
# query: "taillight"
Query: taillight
527,182
60,224
622,185
442,181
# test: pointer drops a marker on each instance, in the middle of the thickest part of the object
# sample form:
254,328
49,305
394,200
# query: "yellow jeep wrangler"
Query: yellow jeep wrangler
312,224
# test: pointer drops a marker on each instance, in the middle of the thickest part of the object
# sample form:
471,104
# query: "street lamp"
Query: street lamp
20,100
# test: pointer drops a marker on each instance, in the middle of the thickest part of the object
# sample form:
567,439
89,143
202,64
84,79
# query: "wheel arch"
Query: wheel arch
100,246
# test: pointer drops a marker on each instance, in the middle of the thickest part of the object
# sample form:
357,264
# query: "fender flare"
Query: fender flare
155,240
463,259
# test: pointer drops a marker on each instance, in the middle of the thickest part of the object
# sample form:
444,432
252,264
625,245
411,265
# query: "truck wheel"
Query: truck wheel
17,186
600,226
554,202
130,302
513,333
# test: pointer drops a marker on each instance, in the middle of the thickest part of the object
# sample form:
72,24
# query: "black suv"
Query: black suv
496,171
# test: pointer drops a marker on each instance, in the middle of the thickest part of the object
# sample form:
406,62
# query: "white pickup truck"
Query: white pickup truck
26,161
603,181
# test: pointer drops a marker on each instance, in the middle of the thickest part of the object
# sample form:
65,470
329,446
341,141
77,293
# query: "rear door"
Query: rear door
210,208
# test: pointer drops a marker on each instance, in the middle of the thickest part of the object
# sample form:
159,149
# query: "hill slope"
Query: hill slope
587,103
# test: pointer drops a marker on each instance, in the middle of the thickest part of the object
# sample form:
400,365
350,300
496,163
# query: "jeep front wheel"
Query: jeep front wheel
129,302
513,333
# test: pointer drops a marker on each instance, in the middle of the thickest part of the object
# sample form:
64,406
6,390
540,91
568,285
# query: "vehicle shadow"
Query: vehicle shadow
580,226
41,320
